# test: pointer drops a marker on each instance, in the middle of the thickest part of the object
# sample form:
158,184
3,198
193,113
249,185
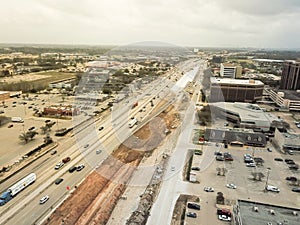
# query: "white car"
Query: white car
232,186
44,199
250,164
209,189
224,218
173,168
59,165
272,188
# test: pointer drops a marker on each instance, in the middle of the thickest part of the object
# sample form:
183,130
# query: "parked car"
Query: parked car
224,218
44,199
224,212
87,145
220,158
278,159
232,186
10,125
209,189
250,164
191,214
294,167
272,188
58,181
291,178
269,149
193,205
101,128
296,189
290,152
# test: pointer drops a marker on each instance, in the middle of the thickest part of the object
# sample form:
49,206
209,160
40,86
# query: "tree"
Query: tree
31,134
48,139
257,176
220,198
221,171
24,137
44,129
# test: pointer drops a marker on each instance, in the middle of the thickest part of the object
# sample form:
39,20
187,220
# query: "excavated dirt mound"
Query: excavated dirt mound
93,201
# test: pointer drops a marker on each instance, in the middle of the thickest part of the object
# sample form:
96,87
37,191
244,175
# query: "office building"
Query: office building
290,79
230,70
235,90
245,115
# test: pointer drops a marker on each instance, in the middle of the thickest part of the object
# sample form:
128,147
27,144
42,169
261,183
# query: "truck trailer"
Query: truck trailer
16,188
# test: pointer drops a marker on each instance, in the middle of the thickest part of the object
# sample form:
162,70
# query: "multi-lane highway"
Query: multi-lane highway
25,208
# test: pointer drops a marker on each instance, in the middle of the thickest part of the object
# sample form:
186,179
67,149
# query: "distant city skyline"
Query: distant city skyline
203,23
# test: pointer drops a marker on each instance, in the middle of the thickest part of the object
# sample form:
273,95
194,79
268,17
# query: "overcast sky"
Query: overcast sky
207,23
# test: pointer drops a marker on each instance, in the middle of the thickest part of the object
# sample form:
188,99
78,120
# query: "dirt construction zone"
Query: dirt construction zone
94,200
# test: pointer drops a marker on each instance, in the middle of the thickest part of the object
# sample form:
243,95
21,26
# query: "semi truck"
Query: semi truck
16,188
17,120
132,122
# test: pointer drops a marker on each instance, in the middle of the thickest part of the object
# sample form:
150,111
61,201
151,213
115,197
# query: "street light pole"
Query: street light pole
268,170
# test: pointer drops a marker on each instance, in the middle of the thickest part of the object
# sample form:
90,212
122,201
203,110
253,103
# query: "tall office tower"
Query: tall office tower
290,78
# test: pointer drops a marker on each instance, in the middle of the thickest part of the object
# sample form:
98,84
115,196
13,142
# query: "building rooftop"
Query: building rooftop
291,94
263,214
229,65
235,81
247,111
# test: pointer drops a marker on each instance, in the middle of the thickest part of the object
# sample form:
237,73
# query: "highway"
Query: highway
25,208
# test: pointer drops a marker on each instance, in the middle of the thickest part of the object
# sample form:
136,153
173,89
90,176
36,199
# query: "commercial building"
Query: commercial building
254,213
230,70
4,95
66,83
244,115
287,141
61,110
235,136
235,90
290,78
285,99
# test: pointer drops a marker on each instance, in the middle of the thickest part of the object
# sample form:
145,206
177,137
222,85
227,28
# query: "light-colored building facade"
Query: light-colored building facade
287,141
283,101
230,70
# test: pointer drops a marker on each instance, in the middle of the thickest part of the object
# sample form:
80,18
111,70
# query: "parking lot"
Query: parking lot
240,175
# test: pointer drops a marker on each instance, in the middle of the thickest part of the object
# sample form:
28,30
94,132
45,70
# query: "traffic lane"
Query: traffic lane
35,211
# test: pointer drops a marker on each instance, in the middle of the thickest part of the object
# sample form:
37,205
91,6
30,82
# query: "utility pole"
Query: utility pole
268,173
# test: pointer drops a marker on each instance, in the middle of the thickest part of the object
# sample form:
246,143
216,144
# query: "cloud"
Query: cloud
193,22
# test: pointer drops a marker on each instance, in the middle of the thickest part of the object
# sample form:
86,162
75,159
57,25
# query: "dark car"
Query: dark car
196,168
290,162
296,189
193,206
10,125
294,167
101,128
278,159
291,178
72,169
287,160
58,181
191,214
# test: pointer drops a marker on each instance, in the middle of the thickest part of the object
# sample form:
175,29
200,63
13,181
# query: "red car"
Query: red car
67,159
